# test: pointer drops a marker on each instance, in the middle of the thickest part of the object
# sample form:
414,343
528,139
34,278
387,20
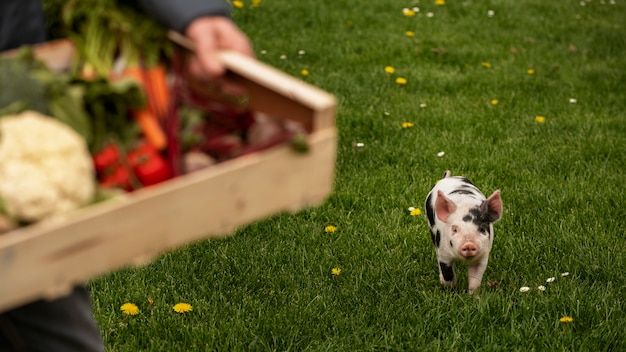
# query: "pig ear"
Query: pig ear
444,206
494,206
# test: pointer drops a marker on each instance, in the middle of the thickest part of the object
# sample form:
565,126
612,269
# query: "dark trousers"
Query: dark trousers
64,324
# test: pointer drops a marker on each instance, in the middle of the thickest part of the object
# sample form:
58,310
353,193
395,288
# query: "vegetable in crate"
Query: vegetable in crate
141,166
108,104
112,172
19,90
106,159
118,40
26,84
45,167
148,165
118,178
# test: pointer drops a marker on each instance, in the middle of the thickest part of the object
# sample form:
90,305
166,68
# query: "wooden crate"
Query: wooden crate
46,259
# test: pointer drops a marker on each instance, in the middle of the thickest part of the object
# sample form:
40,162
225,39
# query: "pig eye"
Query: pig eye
455,229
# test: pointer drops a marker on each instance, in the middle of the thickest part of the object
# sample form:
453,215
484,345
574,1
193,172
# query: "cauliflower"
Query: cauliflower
45,167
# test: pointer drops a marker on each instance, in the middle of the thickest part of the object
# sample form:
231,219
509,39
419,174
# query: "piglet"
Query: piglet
461,226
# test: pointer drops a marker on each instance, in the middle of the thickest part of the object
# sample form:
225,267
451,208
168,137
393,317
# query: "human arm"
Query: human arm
207,24
178,14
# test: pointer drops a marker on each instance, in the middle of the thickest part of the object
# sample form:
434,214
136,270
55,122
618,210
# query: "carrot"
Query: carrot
156,79
151,128
146,117
154,83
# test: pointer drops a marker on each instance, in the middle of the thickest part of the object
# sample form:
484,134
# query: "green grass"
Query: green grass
269,287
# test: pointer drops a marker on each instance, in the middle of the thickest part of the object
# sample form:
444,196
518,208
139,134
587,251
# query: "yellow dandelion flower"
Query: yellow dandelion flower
182,308
304,72
150,301
408,12
416,212
494,102
566,319
330,229
440,2
401,81
335,271
540,119
530,71
238,4
486,64
129,309
407,124
390,69
256,3
409,34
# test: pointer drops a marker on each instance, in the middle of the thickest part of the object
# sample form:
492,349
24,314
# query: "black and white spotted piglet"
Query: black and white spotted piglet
461,225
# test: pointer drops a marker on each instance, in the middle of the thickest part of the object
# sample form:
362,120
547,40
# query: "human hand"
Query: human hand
212,34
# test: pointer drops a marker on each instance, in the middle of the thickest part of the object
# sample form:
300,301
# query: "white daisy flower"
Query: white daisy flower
490,13
440,154
550,279
524,289
565,274
541,288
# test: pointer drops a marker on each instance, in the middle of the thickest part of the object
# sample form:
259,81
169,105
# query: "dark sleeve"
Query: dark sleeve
178,14
21,22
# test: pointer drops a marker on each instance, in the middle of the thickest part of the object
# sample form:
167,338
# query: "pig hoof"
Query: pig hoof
473,288
447,283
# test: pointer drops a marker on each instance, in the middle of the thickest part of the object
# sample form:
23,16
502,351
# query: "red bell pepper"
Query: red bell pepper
107,158
148,165
118,178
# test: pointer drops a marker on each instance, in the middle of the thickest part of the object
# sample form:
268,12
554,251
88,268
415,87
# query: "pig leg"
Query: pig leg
446,274
475,273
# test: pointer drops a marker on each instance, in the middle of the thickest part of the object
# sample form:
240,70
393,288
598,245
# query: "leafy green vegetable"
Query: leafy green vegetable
108,104
105,30
97,109
69,108
26,84
19,90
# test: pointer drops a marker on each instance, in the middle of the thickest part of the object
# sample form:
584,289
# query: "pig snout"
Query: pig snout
469,250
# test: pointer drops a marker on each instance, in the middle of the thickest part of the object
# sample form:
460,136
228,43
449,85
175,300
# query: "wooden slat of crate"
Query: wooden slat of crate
271,86
46,259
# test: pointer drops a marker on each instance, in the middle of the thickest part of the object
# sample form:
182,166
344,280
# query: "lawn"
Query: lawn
525,96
